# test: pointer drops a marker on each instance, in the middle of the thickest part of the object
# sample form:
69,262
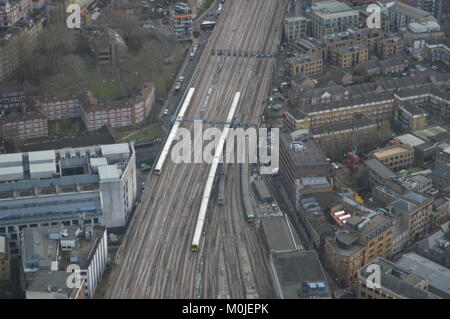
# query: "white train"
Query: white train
212,174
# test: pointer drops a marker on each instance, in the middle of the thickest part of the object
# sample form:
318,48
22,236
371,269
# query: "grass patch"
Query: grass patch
105,90
148,132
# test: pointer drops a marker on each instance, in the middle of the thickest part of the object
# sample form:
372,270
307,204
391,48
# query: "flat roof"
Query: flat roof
11,170
11,158
297,270
262,189
43,168
38,156
375,165
108,172
410,140
98,161
113,149
437,275
390,151
279,233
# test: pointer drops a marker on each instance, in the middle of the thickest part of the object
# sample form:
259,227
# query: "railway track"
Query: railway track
156,259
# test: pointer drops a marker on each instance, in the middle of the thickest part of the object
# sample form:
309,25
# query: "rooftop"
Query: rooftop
437,275
304,153
397,280
279,234
299,275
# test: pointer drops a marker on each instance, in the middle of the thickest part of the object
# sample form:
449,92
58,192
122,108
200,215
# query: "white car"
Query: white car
166,111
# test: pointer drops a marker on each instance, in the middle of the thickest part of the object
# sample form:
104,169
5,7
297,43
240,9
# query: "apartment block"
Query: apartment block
437,51
12,99
70,186
58,107
295,28
23,126
180,19
440,9
347,57
109,48
332,17
118,113
17,44
389,47
410,117
308,65
396,282
396,157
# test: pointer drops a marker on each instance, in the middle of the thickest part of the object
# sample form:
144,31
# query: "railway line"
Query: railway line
155,259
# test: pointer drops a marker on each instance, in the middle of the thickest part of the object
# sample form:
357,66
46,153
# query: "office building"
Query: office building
295,28
71,186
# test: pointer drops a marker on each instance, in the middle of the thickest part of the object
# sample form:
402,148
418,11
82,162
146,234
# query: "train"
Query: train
212,174
249,211
173,132
221,194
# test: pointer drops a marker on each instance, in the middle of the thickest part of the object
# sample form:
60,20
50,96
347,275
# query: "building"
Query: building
279,234
308,65
12,11
332,17
86,247
131,7
312,216
353,247
410,117
58,107
295,28
396,157
440,9
347,57
437,276
417,35
443,153
5,262
17,44
338,138
389,47
23,126
71,186
436,247
437,50
415,210
109,48
118,113
12,100
300,158
439,215
46,284
377,173
402,14
180,18
441,176
395,283
299,275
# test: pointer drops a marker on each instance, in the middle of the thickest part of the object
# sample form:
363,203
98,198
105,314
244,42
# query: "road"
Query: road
155,258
